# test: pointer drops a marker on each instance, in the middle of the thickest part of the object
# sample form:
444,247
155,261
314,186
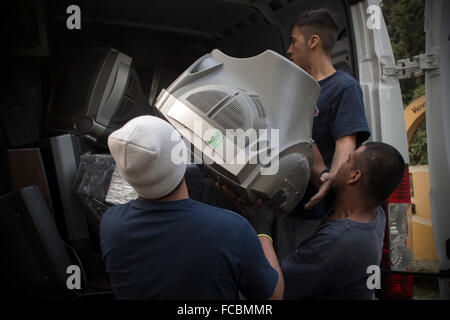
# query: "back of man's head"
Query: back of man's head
382,168
150,155
321,22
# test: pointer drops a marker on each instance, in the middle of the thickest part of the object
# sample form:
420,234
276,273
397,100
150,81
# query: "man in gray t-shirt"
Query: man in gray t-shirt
332,263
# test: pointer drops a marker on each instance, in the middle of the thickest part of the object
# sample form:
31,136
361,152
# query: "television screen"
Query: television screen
96,92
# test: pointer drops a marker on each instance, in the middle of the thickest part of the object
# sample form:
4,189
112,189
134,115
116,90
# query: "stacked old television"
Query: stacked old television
96,91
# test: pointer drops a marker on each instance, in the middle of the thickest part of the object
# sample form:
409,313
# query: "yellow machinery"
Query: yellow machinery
422,231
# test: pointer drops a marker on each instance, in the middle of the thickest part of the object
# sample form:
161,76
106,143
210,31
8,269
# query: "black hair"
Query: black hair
321,22
382,169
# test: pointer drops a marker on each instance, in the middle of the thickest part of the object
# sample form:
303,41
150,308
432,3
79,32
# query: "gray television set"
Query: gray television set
248,121
96,91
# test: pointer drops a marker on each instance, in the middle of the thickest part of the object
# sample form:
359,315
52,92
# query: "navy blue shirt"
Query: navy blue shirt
339,112
183,250
333,262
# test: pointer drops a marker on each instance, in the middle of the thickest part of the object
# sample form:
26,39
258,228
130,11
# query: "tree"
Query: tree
405,23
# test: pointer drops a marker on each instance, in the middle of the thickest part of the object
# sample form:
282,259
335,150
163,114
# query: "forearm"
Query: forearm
344,146
318,166
269,252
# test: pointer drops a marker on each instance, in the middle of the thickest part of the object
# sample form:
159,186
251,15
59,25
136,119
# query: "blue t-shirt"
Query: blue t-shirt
333,262
339,112
183,250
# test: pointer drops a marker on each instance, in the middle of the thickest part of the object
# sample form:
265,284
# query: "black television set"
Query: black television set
62,157
34,261
96,91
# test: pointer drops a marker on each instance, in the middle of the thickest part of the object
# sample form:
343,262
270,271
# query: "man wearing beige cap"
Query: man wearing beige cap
164,245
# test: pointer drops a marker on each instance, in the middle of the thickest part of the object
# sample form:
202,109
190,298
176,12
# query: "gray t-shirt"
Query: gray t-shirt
333,262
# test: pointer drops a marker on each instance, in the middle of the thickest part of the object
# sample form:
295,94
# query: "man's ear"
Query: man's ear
313,41
354,176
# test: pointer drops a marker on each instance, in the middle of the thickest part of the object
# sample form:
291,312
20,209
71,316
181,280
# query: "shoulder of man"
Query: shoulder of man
346,79
113,212
326,236
350,237
111,221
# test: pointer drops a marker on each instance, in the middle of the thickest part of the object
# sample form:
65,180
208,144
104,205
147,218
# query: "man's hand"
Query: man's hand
344,146
327,184
260,215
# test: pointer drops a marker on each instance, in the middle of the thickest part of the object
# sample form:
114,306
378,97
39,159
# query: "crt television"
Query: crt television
96,92
247,120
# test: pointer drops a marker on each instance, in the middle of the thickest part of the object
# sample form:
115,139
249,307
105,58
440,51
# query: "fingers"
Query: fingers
323,191
275,202
230,195
219,184
325,177
313,201
226,190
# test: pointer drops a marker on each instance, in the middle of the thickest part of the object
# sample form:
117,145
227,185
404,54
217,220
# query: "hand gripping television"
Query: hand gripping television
247,120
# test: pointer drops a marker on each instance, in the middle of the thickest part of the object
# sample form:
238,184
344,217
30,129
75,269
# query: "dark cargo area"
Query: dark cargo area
55,79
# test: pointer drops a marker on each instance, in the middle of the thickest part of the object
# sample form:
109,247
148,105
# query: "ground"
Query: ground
425,288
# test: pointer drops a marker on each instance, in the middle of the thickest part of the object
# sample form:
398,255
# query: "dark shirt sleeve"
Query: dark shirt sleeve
349,116
305,274
257,277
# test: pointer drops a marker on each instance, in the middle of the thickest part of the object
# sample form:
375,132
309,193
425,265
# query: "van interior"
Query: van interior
162,38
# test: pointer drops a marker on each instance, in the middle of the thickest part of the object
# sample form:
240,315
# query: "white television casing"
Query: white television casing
265,92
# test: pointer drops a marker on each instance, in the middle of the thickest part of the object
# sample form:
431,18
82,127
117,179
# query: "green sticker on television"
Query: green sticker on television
215,140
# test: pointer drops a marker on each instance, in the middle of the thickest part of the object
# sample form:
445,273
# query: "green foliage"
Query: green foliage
405,23
418,92
418,146
408,86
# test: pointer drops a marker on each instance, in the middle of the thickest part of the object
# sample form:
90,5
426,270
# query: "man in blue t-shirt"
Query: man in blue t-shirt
339,124
333,262
164,245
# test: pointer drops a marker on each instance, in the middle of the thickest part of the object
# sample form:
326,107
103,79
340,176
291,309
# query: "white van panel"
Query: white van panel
437,87
382,97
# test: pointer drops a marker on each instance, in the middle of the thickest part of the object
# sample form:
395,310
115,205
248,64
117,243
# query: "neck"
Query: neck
180,194
322,67
349,207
